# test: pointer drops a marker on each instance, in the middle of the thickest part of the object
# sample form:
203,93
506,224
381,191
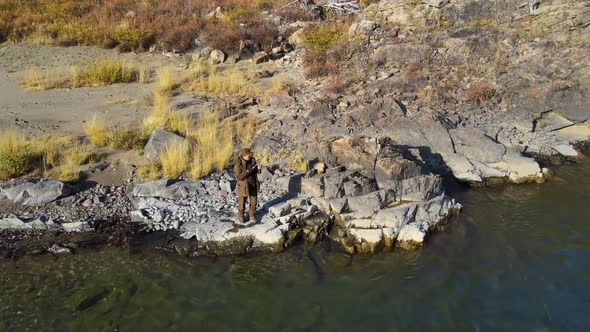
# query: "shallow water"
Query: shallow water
518,258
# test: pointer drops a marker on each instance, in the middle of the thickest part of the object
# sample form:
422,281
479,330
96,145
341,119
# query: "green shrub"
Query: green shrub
122,139
320,38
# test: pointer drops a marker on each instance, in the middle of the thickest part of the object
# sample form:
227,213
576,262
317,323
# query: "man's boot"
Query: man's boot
241,218
252,218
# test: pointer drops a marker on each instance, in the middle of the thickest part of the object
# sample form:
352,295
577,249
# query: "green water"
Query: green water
517,259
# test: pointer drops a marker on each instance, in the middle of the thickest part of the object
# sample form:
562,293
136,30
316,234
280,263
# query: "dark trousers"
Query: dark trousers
242,205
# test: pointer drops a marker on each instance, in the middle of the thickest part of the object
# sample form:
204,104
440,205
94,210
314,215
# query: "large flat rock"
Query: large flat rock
36,193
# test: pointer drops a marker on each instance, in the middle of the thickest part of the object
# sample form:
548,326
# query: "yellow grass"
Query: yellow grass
225,148
16,155
54,78
297,162
277,84
174,160
164,116
229,82
20,156
97,132
51,149
165,79
196,70
149,172
76,155
214,145
200,167
144,74
106,72
123,139
75,77
68,173
245,130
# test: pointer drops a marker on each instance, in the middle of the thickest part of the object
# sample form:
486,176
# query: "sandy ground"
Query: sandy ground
65,110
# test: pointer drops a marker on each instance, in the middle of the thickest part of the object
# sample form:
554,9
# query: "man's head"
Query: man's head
246,154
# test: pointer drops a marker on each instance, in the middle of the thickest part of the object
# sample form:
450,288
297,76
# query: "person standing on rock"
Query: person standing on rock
246,170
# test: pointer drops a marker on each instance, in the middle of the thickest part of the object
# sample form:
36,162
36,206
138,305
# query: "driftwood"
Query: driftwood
334,6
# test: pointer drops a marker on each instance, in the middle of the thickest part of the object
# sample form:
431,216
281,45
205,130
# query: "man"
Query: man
246,170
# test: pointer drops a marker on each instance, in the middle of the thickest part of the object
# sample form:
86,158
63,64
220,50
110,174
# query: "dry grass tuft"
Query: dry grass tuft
17,156
107,72
245,130
36,79
214,145
123,139
480,92
144,74
97,132
149,172
164,116
68,173
174,160
297,162
229,82
59,157
166,80
76,155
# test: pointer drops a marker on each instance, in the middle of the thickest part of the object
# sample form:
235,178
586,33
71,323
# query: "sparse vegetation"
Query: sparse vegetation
174,160
480,92
166,80
214,145
98,73
107,72
17,155
59,157
132,25
149,172
164,116
320,40
97,132
297,162
144,74
123,139
36,79
245,129
294,158
229,82
322,37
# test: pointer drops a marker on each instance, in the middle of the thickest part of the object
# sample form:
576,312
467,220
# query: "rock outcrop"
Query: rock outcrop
372,215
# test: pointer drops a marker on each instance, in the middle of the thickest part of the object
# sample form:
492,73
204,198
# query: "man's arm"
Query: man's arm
240,173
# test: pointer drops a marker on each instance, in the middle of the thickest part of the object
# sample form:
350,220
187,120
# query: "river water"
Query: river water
517,258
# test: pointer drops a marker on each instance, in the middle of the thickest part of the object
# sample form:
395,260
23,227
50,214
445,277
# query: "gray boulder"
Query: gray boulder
165,189
216,57
159,141
261,57
36,193
12,223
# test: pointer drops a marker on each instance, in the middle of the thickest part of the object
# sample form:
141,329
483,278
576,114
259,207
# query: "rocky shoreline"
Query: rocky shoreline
393,200
397,202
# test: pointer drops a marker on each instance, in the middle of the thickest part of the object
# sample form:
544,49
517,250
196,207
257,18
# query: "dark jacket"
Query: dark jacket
247,184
